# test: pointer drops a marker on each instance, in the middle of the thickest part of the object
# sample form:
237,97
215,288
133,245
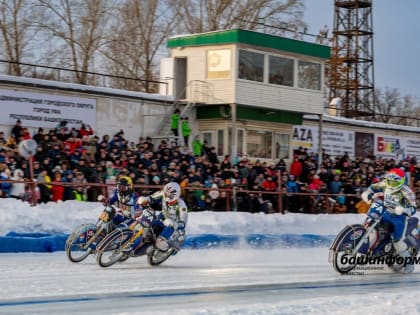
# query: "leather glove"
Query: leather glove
168,222
399,210
369,196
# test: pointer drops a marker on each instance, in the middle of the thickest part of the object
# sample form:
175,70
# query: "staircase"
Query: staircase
199,93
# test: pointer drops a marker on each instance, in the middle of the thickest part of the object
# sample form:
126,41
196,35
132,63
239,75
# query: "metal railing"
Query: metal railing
231,198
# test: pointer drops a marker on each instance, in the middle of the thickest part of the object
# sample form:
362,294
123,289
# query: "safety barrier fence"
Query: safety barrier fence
232,197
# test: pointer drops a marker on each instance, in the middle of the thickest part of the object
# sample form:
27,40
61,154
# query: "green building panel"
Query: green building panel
237,36
249,113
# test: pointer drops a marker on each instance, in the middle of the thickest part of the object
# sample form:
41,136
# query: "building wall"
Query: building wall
138,114
233,90
276,97
218,90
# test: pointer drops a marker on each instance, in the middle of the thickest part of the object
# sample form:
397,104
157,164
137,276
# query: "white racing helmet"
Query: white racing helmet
143,201
171,192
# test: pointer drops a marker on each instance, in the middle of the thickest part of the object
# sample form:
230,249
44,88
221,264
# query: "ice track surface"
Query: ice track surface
217,281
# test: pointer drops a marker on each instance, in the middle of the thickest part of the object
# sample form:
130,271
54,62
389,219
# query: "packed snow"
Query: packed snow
238,279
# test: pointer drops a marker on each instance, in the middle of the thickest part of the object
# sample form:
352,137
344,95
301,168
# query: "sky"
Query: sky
284,279
396,44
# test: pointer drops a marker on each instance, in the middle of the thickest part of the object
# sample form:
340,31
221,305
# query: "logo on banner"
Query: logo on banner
302,137
390,146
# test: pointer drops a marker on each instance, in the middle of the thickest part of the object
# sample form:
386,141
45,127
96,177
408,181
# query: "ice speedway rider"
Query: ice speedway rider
171,221
124,199
398,204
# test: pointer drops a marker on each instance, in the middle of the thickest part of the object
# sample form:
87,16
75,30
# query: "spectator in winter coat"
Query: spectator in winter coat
17,129
43,180
175,122
79,194
85,130
212,156
186,130
270,186
57,191
315,184
335,185
18,189
296,168
5,187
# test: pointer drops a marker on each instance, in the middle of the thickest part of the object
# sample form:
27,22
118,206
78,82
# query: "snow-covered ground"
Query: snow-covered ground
239,279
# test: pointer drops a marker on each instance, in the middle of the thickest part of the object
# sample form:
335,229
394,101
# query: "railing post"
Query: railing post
280,192
33,184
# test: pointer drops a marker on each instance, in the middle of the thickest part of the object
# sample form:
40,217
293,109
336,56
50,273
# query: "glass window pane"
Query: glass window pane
281,71
208,137
240,141
251,66
259,143
309,75
281,146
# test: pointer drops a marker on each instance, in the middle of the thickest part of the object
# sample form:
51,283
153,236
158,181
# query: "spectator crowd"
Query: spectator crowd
79,156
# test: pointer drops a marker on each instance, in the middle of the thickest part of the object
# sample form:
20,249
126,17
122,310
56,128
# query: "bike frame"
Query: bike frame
365,236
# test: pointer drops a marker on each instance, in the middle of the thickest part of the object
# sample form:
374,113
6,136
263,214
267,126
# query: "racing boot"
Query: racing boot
407,265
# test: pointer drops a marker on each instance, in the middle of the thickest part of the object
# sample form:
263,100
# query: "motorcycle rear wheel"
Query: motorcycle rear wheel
110,249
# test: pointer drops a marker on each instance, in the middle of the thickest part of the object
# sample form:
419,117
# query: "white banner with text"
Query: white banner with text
45,110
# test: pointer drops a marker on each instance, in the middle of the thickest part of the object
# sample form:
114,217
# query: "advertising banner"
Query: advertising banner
389,147
334,141
45,110
365,144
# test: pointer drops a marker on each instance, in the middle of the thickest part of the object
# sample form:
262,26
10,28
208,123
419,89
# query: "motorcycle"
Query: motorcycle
84,239
358,244
136,240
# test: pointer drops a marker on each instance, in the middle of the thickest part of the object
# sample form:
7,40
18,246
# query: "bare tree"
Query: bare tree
15,31
392,107
140,31
386,104
274,16
79,28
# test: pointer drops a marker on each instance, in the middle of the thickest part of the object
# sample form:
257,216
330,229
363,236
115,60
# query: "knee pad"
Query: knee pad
162,240
162,243
400,246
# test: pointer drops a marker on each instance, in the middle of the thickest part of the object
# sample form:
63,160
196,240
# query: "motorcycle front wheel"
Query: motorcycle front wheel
110,249
156,257
81,243
341,250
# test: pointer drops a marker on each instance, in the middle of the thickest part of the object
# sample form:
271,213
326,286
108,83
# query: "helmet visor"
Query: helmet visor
169,196
122,187
394,181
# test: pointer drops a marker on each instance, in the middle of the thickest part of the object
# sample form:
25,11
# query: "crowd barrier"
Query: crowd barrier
232,198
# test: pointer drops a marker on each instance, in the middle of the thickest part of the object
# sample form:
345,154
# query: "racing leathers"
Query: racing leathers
171,221
126,206
394,206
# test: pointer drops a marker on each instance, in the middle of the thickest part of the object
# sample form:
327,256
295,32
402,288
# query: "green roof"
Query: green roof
238,36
